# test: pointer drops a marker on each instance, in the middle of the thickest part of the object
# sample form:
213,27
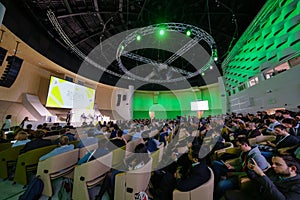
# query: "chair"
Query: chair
84,150
261,139
118,156
127,137
227,145
28,162
157,156
203,192
52,137
55,167
4,146
232,150
130,146
8,158
89,175
129,183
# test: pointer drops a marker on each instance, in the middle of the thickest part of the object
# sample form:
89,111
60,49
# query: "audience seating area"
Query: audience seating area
128,184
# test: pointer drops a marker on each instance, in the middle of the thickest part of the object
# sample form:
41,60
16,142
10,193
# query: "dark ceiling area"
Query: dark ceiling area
89,23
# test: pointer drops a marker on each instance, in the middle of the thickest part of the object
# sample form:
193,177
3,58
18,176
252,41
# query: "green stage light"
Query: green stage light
138,37
188,33
161,32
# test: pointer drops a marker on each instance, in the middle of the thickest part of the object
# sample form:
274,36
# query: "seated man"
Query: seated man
195,177
37,142
231,172
283,184
283,140
62,148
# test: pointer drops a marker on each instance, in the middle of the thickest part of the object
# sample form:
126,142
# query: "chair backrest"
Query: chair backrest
130,146
261,138
127,137
203,192
56,166
153,133
51,137
129,183
7,157
157,156
206,190
90,174
4,146
118,156
86,149
28,162
59,162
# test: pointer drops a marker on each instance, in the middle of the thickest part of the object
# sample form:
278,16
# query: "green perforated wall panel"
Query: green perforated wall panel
272,38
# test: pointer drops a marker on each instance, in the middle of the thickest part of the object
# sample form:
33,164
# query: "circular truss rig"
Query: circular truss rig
199,35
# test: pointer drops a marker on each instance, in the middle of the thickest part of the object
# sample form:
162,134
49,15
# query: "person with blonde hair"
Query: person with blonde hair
21,139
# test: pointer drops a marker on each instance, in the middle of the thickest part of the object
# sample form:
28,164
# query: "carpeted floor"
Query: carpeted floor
10,191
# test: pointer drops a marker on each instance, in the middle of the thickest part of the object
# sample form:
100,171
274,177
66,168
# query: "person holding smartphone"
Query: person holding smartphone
230,172
281,182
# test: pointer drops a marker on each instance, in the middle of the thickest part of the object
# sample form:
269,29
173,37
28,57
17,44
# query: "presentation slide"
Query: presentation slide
65,94
199,105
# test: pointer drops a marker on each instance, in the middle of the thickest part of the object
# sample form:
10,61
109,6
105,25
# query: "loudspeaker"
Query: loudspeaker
2,55
11,71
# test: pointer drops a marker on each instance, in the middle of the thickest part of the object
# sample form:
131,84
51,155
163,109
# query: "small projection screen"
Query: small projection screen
199,105
65,94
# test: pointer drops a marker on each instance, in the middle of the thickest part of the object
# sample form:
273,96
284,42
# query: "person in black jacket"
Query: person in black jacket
37,142
195,177
283,184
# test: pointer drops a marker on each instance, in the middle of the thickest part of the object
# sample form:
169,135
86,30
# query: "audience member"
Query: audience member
23,122
37,142
62,148
284,183
231,172
7,123
21,139
188,176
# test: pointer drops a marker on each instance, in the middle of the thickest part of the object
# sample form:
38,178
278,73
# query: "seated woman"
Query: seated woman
137,161
22,139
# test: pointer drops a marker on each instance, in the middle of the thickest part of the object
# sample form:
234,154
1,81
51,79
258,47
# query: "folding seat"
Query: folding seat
89,175
203,192
61,165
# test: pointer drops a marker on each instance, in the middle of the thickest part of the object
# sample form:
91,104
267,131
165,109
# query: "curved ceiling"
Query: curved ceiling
89,23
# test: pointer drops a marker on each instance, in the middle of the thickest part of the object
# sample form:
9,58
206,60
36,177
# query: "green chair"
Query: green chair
4,146
118,156
28,162
8,158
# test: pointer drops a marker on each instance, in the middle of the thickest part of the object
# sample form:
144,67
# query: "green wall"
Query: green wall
170,104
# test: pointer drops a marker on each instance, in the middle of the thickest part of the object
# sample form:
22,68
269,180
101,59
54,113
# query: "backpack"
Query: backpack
33,190
65,192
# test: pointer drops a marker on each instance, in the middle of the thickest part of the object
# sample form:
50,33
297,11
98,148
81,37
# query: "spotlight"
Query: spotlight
202,74
161,32
214,53
188,32
138,37
211,67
